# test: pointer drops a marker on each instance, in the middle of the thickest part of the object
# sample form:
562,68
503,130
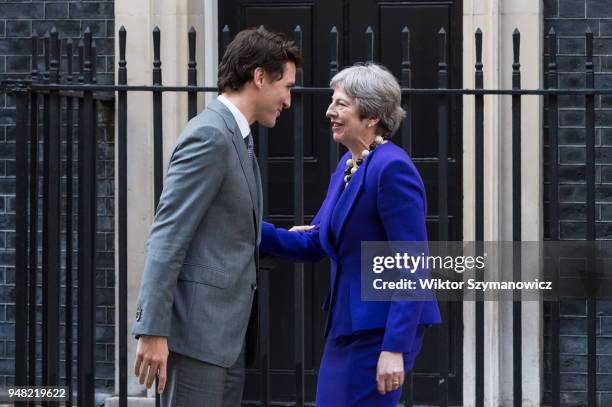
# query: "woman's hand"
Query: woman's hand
302,228
390,371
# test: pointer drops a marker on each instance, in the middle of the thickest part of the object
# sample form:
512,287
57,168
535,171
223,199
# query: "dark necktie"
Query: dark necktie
248,140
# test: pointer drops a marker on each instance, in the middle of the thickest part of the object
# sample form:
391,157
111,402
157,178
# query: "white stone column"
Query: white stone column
497,20
173,17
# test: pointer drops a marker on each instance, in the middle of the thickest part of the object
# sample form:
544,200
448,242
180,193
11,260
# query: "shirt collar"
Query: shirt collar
243,124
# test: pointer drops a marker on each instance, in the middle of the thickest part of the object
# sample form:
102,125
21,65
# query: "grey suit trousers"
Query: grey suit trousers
193,383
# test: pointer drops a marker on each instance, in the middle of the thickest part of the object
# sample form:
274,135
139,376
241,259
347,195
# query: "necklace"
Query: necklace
353,165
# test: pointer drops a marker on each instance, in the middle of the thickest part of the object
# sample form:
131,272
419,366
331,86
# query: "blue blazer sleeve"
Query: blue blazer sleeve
292,246
402,209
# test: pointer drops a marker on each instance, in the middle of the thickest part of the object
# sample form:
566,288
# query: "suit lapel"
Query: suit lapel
245,163
347,200
238,141
335,189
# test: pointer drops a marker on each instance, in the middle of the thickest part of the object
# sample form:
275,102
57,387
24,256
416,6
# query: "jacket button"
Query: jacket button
253,286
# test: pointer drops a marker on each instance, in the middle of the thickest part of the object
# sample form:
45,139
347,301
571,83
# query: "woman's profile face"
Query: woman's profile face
343,114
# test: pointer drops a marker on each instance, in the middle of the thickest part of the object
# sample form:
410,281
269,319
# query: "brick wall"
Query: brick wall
17,21
570,18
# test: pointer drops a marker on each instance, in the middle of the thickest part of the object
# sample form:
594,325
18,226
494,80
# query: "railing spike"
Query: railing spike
156,45
81,57
516,45
442,47
94,62
46,40
87,70
478,38
369,43
333,52
405,47
589,46
191,39
225,37
69,44
34,56
122,44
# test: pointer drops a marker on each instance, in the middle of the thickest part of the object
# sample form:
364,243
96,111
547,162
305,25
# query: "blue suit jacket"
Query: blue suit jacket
384,201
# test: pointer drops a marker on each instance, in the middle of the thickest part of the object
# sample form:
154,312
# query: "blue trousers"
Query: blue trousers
347,377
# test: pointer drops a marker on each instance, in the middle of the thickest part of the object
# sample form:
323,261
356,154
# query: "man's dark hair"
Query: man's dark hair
255,48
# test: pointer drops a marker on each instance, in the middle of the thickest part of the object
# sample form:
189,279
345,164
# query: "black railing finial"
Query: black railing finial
297,37
588,64
552,51
81,56
157,73
516,66
54,55
122,71
442,48
191,39
122,45
369,44
34,56
94,62
478,39
478,75
333,52
226,37
46,50
406,82
87,63
192,80
406,48
156,46
516,45
589,46
69,56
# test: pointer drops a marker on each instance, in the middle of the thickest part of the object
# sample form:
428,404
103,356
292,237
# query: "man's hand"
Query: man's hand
390,371
151,357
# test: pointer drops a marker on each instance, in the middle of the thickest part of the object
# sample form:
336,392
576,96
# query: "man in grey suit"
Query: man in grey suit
197,292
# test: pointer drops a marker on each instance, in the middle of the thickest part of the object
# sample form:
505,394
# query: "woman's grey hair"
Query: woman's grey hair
375,92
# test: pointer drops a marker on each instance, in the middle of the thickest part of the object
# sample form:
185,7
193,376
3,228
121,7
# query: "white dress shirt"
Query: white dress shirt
243,124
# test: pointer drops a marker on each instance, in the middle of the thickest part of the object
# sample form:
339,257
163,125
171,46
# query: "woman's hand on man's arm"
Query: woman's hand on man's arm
302,228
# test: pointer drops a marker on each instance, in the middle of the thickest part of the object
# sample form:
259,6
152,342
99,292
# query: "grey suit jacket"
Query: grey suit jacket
199,279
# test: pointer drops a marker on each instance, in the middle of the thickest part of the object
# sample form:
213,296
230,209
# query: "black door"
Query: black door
437,374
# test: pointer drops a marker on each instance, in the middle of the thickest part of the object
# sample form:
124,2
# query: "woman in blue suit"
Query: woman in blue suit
375,194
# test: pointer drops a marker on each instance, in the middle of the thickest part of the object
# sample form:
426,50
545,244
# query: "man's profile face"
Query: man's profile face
275,95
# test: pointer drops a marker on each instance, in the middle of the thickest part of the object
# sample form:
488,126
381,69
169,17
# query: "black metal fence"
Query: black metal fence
77,94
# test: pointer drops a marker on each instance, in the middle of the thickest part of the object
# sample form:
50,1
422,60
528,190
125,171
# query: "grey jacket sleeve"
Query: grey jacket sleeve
195,173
